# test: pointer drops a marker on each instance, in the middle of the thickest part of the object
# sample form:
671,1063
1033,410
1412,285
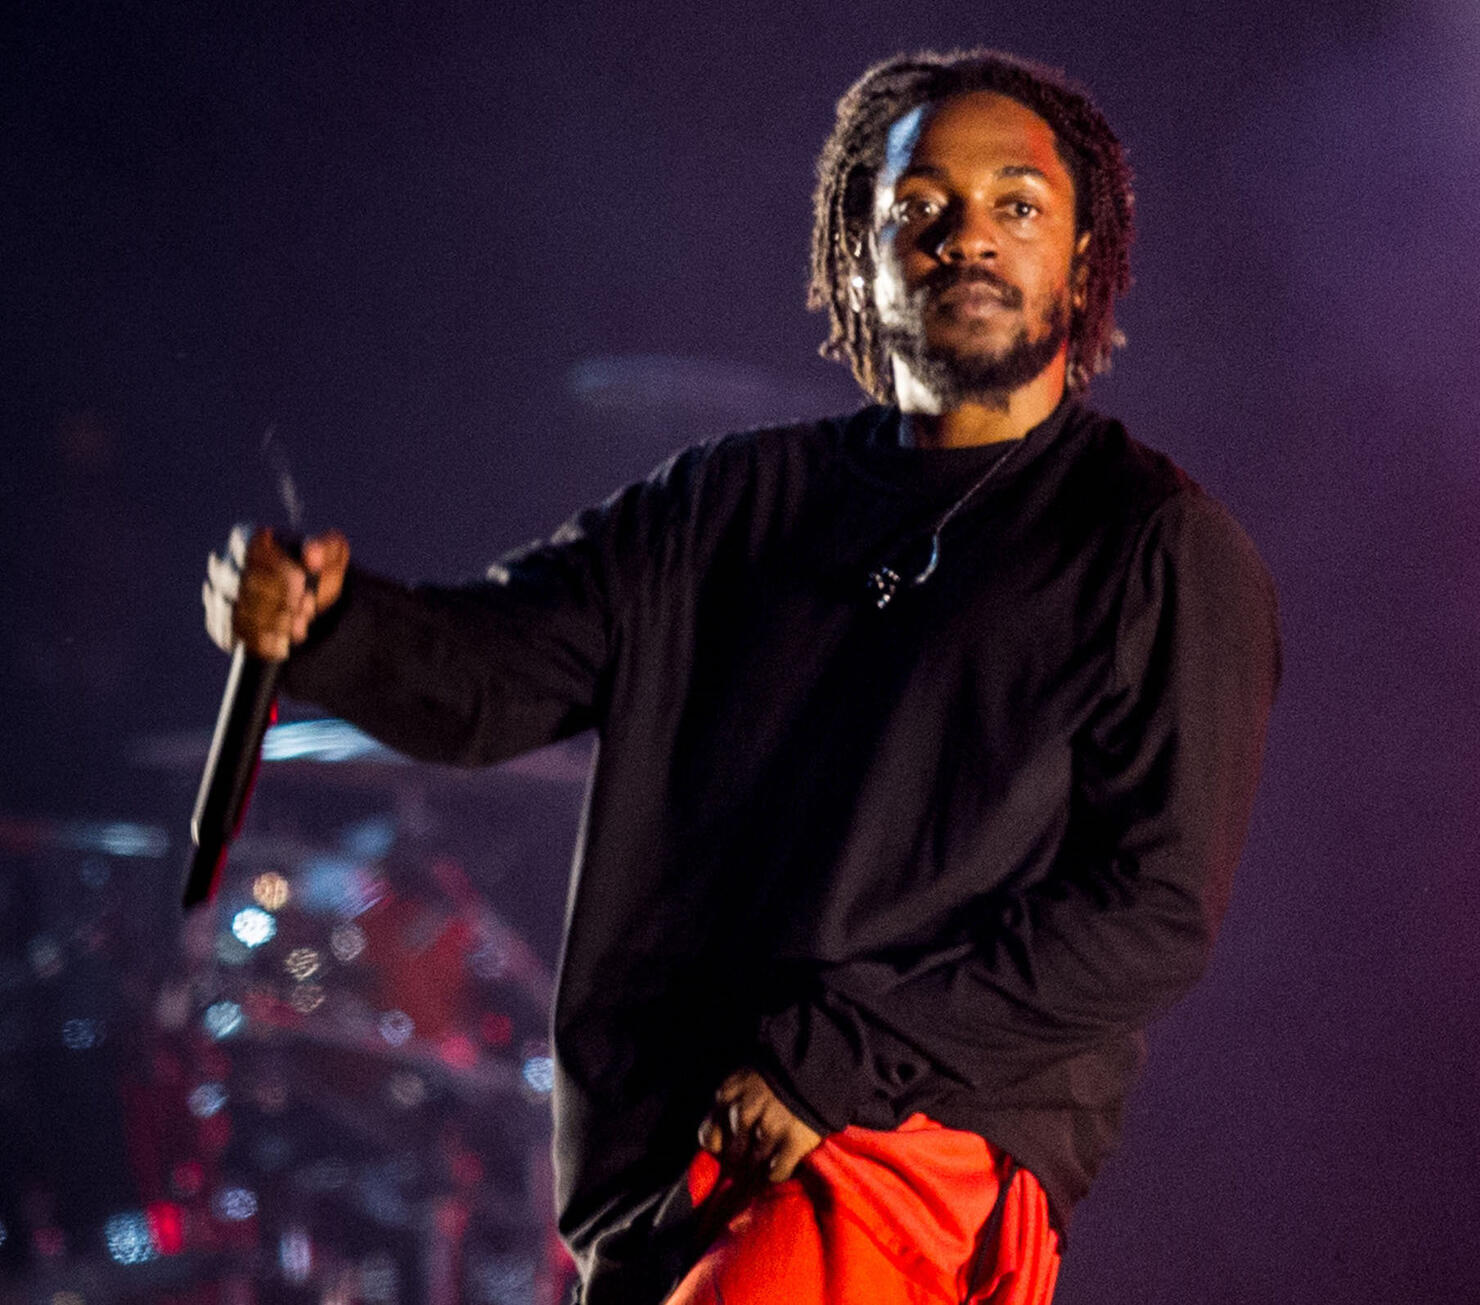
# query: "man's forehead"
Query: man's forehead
902,140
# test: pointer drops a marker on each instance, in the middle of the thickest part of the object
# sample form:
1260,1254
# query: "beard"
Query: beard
961,373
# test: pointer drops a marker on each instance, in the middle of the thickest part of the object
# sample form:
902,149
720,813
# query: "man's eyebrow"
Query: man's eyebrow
1022,170
1006,170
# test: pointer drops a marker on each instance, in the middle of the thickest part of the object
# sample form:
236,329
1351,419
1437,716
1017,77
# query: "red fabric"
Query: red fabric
876,1218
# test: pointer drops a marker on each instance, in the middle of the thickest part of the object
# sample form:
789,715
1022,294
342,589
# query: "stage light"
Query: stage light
271,891
128,1238
346,942
222,1019
117,838
302,963
457,1050
235,1204
306,998
295,1255
254,926
166,1227
538,1073
82,1034
396,1027
322,740
4,1232
205,1100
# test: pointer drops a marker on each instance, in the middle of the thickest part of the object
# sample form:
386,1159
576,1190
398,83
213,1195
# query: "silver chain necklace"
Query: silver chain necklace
884,581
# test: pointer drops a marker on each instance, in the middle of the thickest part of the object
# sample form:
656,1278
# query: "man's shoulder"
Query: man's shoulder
1156,499
745,462
1123,470
802,438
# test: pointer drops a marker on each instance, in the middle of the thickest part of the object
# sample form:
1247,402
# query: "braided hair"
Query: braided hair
844,200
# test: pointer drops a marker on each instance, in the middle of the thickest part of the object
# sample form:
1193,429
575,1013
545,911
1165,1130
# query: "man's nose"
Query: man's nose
969,234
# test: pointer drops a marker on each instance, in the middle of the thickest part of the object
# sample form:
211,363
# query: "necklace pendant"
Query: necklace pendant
883,584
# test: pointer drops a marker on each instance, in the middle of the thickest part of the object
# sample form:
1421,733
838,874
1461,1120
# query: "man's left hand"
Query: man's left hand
750,1130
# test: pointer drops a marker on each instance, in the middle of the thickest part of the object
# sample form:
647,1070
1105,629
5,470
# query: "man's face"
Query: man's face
974,246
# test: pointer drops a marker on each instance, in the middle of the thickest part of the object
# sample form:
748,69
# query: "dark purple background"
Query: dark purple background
402,235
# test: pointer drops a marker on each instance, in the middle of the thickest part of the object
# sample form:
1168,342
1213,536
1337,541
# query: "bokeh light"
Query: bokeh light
396,1027
222,1019
235,1204
254,926
206,1100
538,1073
302,963
271,891
82,1034
128,1239
306,998
347,941
166,1227
295,1254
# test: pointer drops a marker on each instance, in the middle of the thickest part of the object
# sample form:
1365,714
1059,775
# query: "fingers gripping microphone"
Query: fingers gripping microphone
248,707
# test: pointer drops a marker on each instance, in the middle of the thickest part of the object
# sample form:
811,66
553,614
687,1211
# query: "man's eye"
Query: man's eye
915,208
1021,208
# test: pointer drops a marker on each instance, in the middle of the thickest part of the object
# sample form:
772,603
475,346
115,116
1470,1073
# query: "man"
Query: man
928,739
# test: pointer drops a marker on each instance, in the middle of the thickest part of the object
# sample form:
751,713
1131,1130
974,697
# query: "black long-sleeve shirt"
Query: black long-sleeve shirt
947,856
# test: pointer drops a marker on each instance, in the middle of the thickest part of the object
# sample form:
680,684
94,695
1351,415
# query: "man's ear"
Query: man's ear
1078,272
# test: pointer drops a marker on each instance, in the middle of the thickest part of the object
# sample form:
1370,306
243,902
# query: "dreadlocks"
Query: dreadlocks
842,260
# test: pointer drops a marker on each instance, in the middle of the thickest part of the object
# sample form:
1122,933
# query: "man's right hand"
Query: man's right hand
263,597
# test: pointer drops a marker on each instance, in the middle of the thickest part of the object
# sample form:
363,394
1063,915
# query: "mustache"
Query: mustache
950,275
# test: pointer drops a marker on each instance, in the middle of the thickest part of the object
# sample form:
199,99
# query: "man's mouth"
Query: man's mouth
971,294
972,299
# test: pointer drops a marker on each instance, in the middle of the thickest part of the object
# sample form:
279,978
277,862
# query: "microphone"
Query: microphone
248,707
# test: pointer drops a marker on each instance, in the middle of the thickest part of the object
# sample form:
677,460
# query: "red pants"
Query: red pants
878,1218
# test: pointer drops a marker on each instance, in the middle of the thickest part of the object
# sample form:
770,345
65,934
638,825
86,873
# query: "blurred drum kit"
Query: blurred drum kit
340,1063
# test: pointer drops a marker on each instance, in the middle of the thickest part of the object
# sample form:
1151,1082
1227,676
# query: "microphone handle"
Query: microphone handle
248,707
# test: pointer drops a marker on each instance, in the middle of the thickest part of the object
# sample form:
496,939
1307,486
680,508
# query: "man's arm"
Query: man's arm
465,674
1166,773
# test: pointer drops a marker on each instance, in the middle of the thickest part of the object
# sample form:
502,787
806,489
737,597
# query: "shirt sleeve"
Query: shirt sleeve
1165,775
471,674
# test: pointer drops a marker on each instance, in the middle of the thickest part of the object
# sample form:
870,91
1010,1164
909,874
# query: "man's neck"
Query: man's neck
927,426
